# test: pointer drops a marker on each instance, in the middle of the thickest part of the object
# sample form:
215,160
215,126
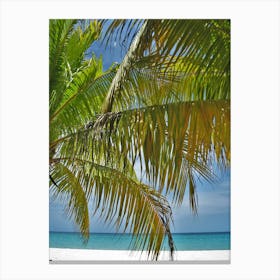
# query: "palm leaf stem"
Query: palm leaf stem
122,71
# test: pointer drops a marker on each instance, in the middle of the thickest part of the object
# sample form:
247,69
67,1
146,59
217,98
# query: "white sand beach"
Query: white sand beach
58,254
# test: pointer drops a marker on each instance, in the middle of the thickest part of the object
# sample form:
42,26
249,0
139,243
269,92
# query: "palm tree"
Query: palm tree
166,107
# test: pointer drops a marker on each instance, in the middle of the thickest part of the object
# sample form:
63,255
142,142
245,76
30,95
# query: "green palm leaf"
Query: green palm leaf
64,58
206,42
170,141
195,51
120,199
66,186
83,98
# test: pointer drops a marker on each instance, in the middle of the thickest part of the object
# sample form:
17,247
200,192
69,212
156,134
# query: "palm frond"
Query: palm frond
194,52
85,95
124,201
79,42
204,41
66,186
64,59
148,87
125,66
58,35
170,141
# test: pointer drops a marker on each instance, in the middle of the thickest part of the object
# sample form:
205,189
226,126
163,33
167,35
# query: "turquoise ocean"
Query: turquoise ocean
110,241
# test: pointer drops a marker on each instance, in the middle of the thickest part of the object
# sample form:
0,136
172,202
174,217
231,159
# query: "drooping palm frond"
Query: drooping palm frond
119,199
66,186
170,141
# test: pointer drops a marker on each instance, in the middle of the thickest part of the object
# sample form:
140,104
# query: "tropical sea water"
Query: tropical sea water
110,241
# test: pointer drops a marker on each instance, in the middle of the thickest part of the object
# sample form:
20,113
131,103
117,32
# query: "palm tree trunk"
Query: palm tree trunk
122,71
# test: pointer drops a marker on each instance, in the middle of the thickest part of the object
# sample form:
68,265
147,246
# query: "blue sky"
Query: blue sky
213,199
